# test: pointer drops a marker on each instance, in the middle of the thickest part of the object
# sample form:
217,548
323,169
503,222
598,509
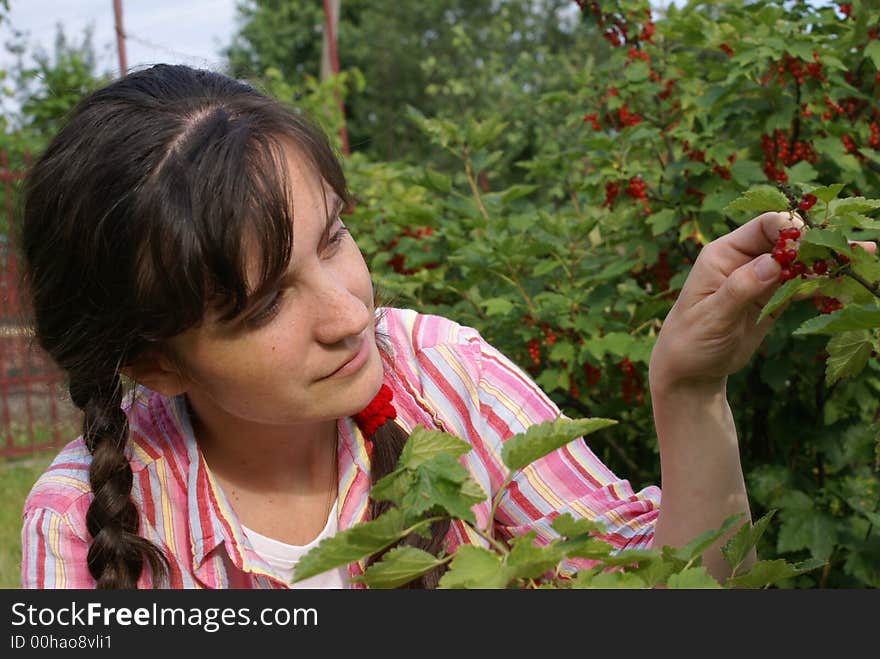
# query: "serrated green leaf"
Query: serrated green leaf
654,571
526,560
785,292
737,548
607,580
475,567
827,192
852,205
438,483
352,544
850,318
398,567
423,445
394,486
848,354
766,573
569,527
827,238
692,578
807,529
702,542
759,199
543,438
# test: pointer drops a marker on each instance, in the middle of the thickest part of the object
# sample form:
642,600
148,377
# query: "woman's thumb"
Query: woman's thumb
749,284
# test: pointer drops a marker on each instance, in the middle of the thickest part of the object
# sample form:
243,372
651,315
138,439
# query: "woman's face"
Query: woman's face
308,353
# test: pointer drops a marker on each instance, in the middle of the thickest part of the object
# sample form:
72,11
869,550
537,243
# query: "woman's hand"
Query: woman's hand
712,330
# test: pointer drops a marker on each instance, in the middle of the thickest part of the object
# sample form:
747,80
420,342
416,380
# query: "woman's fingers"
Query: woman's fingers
759,234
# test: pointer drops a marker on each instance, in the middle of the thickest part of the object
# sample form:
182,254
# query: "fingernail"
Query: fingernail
766,268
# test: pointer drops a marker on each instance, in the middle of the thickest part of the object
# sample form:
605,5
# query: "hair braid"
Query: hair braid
116,554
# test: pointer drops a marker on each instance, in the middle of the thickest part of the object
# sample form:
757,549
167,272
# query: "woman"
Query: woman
184,231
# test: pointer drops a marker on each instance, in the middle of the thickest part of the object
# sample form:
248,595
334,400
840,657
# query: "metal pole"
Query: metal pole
120,36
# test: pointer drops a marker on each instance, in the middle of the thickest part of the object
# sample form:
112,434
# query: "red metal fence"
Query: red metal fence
35,412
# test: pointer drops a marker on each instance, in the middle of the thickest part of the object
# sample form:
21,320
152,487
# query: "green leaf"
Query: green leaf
569,527
394,486
439,484
851,317
848,354
517,191
737,548
872,50
745,172
654,571
827,192
802,172
662,220
807,529
607,580
424,445
852,205
545,266
636,71
497,306
785,292
562,351
436,181
352,544
767,573
702,542
692,578
759,199
475,567
543,438
399,566
826,238
529,561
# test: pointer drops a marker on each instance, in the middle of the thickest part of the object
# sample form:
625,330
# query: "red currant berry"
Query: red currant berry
790,255
790,233
778,255
820,267
799,268
807,202
785,275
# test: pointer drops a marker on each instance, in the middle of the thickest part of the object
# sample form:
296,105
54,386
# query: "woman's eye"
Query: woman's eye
337,237
268,312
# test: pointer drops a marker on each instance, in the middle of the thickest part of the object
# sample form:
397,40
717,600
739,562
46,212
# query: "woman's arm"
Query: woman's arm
710,333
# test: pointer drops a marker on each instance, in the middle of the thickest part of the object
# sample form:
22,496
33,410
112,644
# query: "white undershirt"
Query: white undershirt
282,558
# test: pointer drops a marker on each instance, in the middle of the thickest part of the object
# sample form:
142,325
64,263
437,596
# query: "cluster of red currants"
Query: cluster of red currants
785,253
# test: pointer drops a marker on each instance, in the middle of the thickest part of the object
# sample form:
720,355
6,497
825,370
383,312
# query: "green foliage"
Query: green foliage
520,562
568,254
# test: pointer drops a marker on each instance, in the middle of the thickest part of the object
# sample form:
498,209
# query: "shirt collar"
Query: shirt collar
213,522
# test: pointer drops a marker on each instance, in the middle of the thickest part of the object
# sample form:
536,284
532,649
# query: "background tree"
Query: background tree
450,57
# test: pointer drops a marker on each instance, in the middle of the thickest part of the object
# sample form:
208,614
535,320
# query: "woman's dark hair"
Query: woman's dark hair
136,221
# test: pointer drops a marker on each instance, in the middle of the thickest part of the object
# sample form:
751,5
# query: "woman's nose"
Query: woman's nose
339,313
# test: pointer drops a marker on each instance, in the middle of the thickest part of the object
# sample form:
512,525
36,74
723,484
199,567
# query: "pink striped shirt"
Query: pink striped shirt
445,377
